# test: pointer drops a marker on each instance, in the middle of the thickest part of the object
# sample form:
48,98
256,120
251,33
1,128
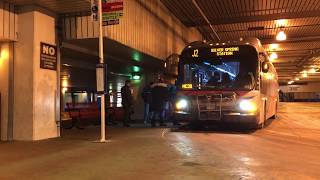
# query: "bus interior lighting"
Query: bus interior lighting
220,69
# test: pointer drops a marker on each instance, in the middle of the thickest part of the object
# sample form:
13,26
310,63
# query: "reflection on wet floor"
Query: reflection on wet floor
183,145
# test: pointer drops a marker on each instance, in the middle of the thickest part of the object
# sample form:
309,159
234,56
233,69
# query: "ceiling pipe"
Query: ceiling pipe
206,19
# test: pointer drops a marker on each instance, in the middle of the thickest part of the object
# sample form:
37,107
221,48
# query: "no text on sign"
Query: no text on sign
48,56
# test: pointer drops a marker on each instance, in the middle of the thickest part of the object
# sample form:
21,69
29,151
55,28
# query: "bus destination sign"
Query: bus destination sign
225,51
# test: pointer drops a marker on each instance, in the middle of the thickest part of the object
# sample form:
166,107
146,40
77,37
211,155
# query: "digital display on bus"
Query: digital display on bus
228,51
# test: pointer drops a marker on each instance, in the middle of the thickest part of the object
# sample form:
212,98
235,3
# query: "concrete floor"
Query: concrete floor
289,148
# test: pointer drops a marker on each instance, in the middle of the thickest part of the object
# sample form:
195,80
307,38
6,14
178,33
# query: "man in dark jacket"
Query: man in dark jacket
127,102
147,99
160,95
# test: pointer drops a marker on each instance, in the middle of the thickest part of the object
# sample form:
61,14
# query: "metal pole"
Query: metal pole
206,19
101,58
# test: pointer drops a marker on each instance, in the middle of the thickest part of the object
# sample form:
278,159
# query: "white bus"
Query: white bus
229,82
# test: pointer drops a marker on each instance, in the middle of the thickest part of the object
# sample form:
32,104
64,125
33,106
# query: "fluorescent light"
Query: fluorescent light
282,22
281,36
273,46
312,70
68,65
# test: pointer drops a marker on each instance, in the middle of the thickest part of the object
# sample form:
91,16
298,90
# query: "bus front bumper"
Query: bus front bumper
227,117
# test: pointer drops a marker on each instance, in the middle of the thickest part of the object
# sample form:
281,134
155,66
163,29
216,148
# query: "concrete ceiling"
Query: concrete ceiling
57,6
235,19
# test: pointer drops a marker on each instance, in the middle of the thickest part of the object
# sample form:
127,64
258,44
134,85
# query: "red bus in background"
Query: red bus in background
229,82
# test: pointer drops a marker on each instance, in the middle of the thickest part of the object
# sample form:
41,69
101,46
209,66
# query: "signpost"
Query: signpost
107,12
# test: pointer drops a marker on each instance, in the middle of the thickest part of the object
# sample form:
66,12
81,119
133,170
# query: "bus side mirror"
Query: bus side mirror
265,67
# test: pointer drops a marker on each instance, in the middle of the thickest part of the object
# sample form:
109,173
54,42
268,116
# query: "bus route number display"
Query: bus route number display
225,51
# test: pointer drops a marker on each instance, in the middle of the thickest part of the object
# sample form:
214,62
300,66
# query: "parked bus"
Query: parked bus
229,82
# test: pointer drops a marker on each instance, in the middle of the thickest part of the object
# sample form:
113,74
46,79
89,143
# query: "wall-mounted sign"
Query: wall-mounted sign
48,56
112,11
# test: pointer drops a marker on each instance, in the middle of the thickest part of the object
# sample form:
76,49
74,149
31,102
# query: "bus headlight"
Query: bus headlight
181,104
248,105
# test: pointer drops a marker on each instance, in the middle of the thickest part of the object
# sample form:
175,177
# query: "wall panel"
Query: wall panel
8,22
146,26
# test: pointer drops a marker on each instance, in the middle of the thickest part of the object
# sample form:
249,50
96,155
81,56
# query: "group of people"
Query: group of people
157,98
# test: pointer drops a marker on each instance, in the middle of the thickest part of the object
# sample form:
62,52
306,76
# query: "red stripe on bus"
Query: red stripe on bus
239,93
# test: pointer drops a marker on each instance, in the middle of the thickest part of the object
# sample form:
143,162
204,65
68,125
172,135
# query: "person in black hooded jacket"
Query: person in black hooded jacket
160,95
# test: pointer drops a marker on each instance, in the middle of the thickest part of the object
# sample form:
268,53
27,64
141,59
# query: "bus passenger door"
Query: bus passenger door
263,88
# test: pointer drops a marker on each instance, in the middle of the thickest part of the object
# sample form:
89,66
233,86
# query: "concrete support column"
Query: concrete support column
34,88
5,103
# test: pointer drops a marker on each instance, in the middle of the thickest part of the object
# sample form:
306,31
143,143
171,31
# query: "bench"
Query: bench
90,113
85,112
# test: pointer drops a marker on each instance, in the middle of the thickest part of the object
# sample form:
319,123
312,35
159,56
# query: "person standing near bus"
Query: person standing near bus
159,97
127,102
147,99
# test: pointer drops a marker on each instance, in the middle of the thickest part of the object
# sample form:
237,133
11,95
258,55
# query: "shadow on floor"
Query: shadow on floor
223,128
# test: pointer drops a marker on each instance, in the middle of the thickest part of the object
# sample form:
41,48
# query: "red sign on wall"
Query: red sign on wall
112,6
112,10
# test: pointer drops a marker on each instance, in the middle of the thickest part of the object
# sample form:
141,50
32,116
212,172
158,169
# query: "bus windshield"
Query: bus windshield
221,73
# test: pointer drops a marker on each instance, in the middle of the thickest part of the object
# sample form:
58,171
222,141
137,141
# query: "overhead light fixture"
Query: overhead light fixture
4,54
281,36
304,75
273,46
312,70
273,56
67,65
136,76
282,22
290,82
